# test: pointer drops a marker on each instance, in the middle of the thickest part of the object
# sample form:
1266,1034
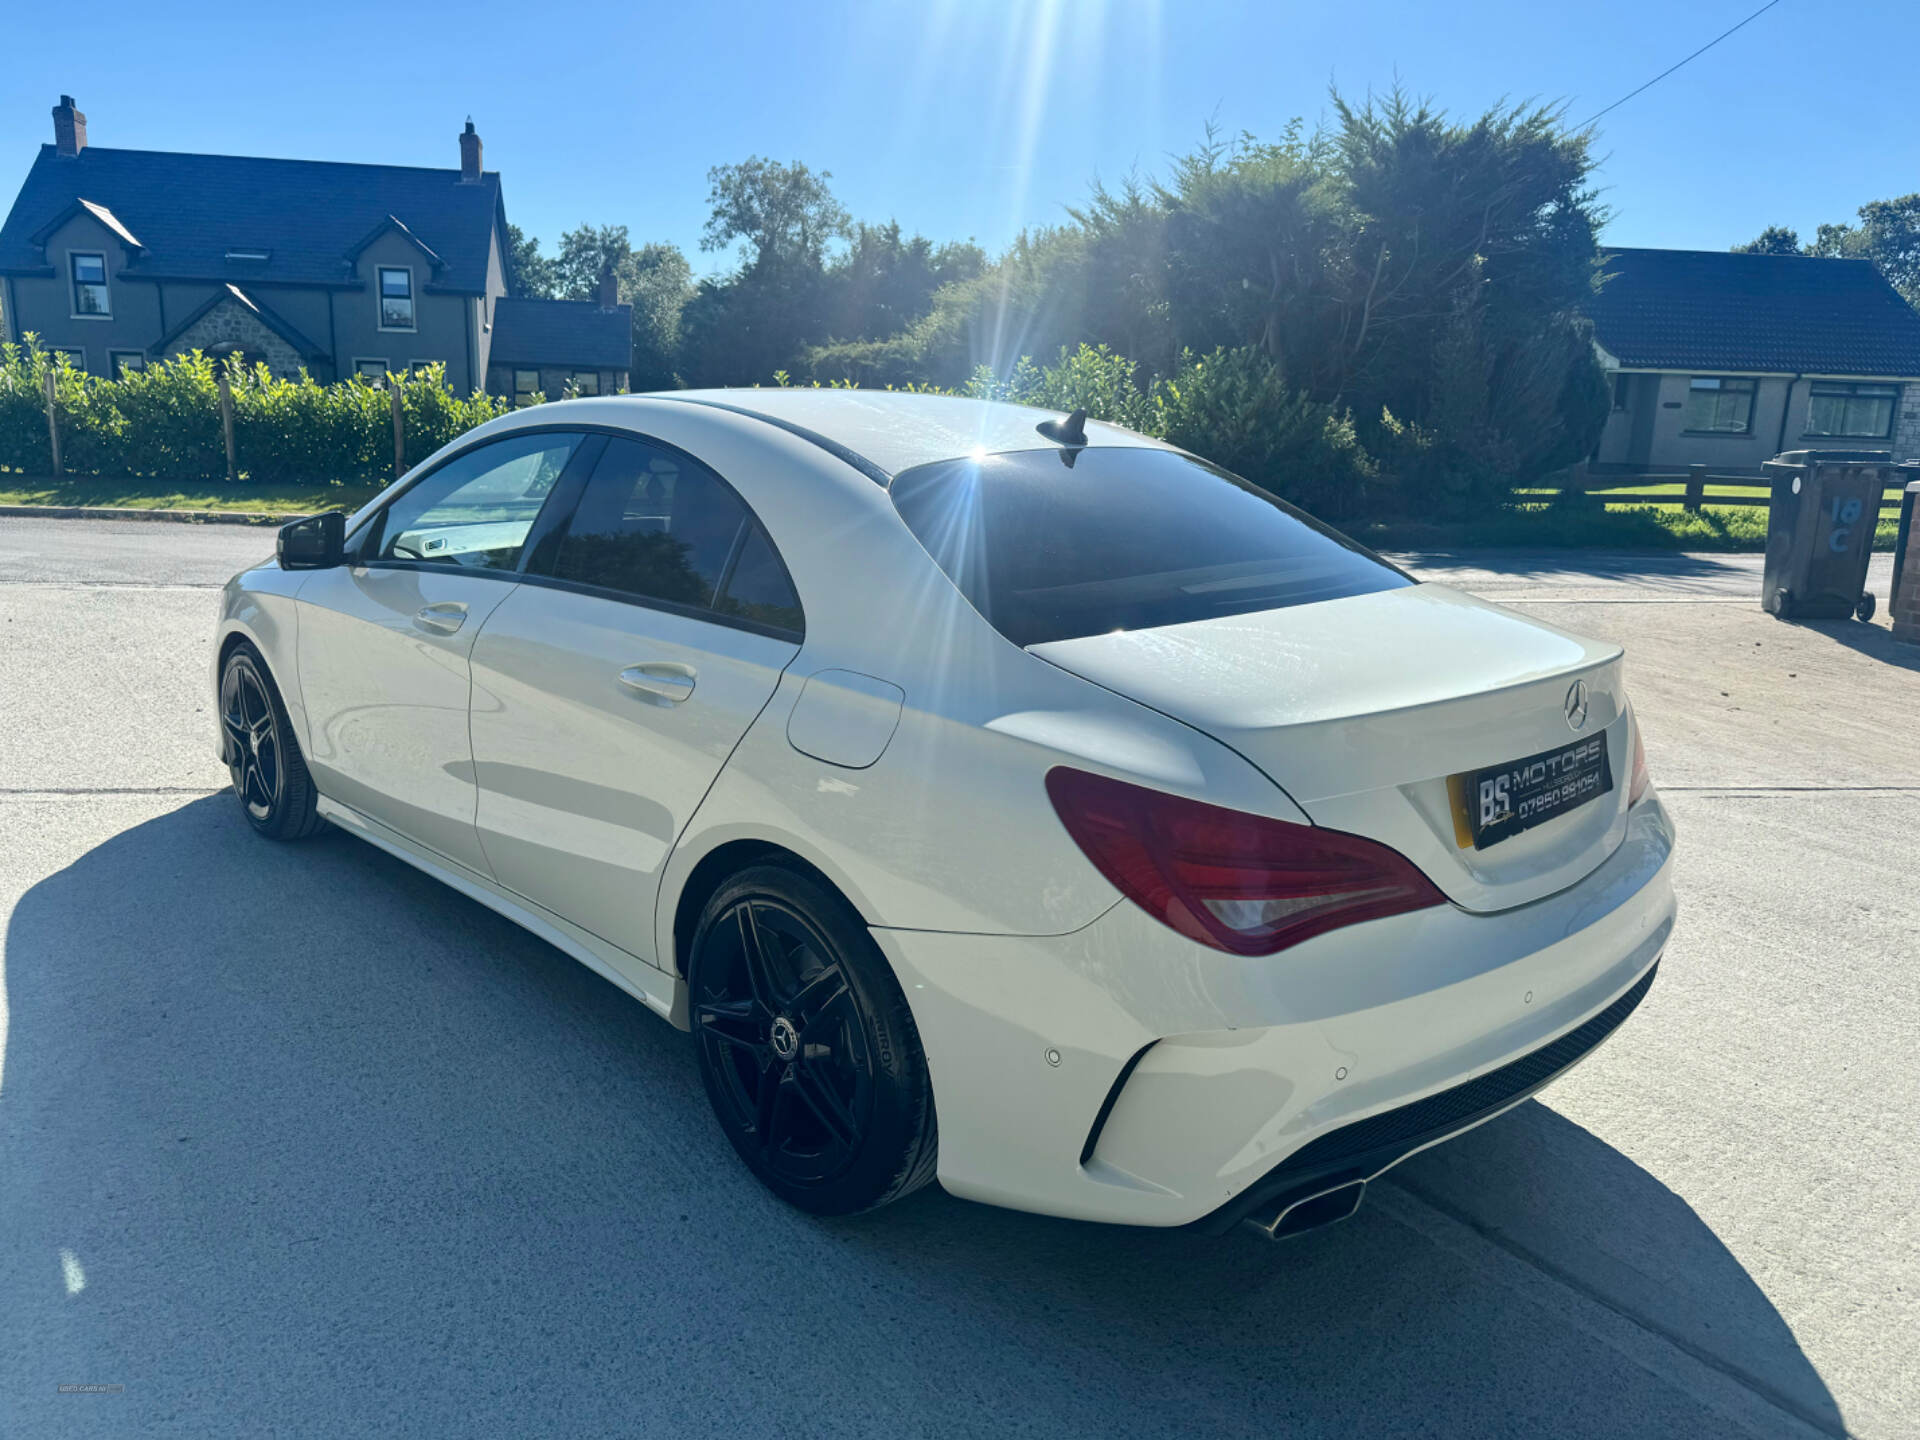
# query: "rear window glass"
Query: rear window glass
1056,544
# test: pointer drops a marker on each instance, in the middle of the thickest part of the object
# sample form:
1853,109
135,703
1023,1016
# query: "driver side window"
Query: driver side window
475,511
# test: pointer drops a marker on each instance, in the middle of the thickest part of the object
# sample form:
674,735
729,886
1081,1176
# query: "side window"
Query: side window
475,511
758,589
654,524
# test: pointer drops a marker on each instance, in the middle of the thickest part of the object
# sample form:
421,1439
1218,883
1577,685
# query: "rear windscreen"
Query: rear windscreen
1055,544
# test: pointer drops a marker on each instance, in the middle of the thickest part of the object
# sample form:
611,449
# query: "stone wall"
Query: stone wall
1906,428
230,322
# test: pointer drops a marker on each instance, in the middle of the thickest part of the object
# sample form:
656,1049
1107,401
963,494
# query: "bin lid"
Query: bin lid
1835,457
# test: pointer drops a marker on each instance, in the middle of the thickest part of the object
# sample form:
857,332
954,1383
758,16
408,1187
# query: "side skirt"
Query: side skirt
665,995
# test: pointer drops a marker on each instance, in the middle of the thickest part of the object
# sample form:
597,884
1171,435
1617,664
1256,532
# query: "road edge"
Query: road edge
119,512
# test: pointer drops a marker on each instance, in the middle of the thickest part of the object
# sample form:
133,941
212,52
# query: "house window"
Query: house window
89,284
120,362
396,297
374,372
71,354
586,382
1862,412
526,385
1719,406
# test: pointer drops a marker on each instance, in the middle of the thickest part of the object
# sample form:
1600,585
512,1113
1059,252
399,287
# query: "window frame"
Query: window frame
1721,387
380,273
74,282
114,357
76,354
1851,390
593,376
386,368
516,392
559,509
371,524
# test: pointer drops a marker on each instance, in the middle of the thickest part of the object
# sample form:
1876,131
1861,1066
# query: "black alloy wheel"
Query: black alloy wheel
809,1054
269,773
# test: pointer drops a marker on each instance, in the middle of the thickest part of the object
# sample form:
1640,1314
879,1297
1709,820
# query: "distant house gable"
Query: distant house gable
187,335
393,226
101,213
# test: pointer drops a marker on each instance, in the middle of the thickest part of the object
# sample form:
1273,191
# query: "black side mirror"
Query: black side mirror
315,543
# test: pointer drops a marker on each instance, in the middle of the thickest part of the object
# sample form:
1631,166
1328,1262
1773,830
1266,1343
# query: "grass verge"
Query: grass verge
288,500
1642,527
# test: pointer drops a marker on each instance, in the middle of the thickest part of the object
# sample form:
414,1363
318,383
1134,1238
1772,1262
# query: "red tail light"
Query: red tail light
1640,781
1238,882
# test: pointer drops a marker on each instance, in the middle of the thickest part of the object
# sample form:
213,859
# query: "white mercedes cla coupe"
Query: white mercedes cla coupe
994,796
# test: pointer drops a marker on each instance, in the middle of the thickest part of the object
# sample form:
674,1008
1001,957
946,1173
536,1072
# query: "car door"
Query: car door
612,685
384,639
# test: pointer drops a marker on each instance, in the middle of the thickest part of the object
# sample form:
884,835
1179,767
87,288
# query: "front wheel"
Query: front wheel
269,773
810,1056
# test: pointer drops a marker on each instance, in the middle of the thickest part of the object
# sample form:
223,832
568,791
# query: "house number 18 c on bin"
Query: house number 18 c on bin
1845,514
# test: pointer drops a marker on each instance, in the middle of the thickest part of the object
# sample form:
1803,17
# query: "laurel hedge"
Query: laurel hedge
163,422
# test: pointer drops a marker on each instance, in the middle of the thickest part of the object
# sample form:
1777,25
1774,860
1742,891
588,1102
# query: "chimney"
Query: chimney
69,128
609,289
469,155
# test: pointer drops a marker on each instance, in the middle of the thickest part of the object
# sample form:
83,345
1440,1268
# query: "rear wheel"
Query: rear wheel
1864,608
269,773
809,1054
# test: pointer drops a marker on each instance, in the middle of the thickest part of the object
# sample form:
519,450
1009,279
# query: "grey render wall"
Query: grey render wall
1652,433
440,321
45,303
345,320
483,308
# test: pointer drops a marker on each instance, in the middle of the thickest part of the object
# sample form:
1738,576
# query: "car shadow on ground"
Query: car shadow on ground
1873,641
293,1139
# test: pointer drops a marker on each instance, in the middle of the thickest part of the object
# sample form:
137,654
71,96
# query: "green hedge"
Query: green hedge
163,422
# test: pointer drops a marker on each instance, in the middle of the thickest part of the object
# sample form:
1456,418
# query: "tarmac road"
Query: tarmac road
294,1140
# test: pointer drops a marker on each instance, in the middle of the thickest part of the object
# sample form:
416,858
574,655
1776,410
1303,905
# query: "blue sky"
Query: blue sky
972,118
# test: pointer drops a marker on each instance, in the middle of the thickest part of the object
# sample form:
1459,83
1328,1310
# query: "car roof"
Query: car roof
895,430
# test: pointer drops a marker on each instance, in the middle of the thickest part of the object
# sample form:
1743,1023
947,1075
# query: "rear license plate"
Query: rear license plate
1504,800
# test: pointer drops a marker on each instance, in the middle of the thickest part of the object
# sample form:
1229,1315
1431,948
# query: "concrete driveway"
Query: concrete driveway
295,1141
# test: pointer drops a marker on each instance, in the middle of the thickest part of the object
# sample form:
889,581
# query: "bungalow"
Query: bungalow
1724,360
117,257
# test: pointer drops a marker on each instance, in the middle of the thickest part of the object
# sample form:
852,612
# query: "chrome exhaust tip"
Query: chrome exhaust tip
1309,1212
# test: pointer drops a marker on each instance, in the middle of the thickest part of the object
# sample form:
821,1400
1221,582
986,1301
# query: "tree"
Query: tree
586,254
1774,240
658,282
1888,234
529,272
785,213
884,282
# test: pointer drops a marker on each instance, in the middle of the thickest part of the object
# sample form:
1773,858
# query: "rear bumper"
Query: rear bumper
1366,1149
1123,1073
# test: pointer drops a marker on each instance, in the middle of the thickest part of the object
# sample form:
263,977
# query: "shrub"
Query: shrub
163,422
1234,407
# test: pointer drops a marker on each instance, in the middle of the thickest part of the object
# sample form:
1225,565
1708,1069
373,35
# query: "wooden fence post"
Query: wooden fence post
226,421
399,429
1696,487
53,423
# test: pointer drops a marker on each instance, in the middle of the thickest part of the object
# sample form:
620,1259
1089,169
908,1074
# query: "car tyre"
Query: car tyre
810,1056
269,773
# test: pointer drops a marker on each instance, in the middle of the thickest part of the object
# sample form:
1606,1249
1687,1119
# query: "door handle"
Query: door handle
443,618
662,680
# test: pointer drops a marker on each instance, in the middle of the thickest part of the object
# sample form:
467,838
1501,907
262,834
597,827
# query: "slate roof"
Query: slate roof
562,332
1716,310
189,210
